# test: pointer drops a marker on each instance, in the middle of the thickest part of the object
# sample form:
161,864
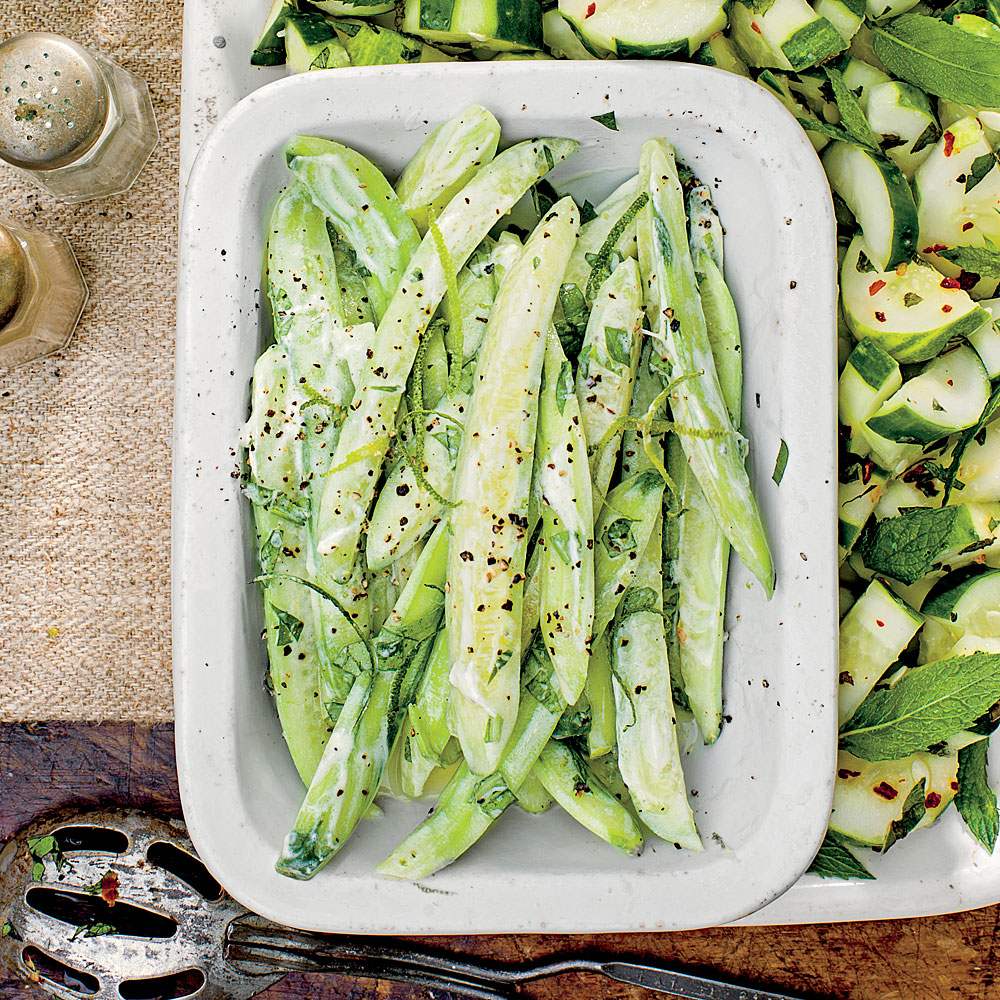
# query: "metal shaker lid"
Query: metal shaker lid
53,100
13,275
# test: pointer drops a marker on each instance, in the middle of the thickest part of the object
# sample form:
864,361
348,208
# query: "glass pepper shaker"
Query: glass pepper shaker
79,125
42,294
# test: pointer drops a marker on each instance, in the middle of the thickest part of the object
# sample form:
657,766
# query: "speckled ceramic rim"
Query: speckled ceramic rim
765,788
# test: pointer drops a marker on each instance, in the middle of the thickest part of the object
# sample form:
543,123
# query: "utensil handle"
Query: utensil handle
682,984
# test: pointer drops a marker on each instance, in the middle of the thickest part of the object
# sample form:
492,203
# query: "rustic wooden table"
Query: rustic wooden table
45,765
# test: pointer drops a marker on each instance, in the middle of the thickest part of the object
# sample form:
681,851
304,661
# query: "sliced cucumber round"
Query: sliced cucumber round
872,635
911,312
958,197
967,602
877,193
868,798
788,35
902,115
485,24
869,378
353,8
637,29
979,469
945,398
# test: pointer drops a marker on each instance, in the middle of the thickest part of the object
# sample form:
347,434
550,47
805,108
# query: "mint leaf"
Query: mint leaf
824,128
928,137
493,795
573,325
564,386
927,705
607,120
981,166
914,810
941,59
908,546
758,6
780,463
852,117
619,344
975,799
289,627
984,260
835,860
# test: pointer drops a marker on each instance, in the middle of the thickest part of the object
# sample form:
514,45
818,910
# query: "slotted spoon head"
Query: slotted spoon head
115,905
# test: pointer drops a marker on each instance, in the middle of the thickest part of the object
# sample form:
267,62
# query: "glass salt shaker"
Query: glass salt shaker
75,123
42,295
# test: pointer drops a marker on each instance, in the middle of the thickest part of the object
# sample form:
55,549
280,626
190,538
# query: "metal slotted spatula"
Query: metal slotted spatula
117,906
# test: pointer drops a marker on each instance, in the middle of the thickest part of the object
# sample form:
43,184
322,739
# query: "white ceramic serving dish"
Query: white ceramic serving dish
762,794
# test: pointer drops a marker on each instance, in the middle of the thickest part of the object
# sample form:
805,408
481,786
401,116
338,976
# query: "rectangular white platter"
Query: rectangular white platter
761,795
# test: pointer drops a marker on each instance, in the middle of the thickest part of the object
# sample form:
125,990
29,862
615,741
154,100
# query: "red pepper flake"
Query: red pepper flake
933,800
880,624
867,468
886,791
954,786
951,381
950,283
845,678
591,10
967,226
753,24
876,286
967,280
946,309
935,248
949,143
880,316
844,774
109,888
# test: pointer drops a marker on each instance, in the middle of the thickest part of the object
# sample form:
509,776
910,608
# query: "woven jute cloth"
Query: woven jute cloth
85,435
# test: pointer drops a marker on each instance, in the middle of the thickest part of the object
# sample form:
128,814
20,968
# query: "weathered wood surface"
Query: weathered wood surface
942,958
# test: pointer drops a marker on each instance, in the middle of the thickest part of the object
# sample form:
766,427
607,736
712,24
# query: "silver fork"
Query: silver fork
253,943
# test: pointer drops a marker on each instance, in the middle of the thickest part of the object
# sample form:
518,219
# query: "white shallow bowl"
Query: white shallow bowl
762,794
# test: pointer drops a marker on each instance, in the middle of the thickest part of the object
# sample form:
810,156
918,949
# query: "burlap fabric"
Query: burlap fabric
85,435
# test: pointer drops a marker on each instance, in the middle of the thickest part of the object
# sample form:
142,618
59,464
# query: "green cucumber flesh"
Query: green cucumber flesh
490,25
869,378
856,501
638,29
901,114
269,49
946,397
353,8
845,15
906,311
957,189
872,635
311,43
868,798
986,340
789,35
879,196
964,603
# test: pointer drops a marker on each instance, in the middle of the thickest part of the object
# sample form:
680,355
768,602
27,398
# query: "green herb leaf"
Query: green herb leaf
941,59
564,386
607,120
7,930
975,799
94,930
780,463
835,860
618,537
573,325
493,795
270,551
925,706
981,166
912,299
852,116
289,627
543,197
928,137
619,344
907,546
864,265
559,540
825,128
758,6
914,810
587,212
984,260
